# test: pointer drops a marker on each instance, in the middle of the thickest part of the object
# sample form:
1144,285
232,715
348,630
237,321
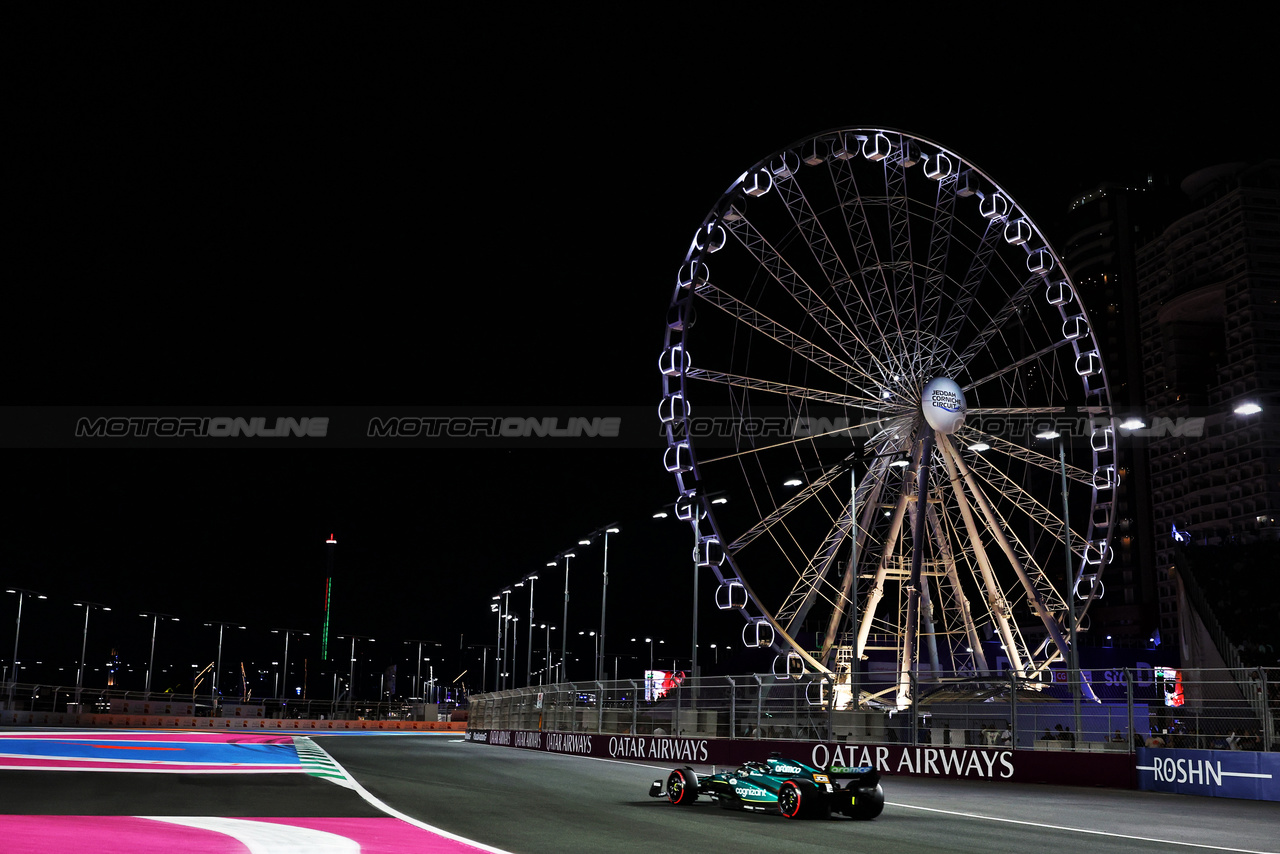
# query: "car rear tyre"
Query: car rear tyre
863,803
792,802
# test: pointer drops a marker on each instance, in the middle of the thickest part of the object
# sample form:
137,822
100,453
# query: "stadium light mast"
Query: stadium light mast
21,592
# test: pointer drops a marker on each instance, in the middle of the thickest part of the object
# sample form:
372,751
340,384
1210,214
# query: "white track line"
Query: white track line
369,797
1080,830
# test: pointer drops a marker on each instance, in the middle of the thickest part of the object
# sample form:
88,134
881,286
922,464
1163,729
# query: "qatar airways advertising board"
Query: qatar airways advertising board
1114,770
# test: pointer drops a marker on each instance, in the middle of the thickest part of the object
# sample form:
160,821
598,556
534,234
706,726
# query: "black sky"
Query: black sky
468,211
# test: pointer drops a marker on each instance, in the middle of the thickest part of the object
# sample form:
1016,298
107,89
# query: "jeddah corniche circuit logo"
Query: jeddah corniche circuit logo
943,405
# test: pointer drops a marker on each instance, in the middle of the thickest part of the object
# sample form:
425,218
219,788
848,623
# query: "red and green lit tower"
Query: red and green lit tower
331,543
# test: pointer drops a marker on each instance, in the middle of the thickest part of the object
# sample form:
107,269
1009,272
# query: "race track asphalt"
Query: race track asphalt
532,802
529,802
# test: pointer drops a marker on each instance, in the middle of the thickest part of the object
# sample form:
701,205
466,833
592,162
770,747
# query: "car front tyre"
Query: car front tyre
682,786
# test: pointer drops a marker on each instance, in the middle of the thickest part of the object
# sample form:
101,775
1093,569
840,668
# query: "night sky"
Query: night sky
278,217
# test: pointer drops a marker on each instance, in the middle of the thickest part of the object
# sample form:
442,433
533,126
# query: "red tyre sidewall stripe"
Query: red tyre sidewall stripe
797,809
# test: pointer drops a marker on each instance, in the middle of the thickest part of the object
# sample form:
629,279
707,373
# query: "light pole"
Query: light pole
650,642
1073,660
496,608
596,639
547,668
528,663
851,577
604,597
515,649
692,508
155,622
217,667
351,688
21,592
84,645
564,623
504,634
418,679
286,633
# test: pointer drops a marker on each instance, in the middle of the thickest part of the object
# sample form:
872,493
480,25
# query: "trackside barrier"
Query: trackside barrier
69,719
1113,770
1244,774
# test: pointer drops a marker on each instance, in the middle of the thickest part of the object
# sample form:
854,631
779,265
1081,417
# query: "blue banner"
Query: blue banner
1246,774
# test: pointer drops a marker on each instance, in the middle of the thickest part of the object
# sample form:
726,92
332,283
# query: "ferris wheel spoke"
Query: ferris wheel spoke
1015,494
998,604
888,547
787,507
932,290
801,291
1000,529
877,289
1045,600
958,605
996,323
1016,366
846,430
795,392
967,292
867,496
975,437
851,340
904,291
740,311
795,607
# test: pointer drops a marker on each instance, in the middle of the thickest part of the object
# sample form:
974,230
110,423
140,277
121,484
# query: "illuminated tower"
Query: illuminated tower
332,543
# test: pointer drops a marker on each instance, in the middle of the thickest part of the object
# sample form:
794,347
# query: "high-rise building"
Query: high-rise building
1098,239
1209,289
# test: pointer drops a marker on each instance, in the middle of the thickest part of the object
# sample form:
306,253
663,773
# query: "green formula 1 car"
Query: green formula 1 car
778,785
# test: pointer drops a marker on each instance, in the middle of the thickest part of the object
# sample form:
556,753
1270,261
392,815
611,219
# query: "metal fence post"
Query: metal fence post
915,707
759,703
733,708
675,723
1013,709
599,707
1128,702
1268,723
635,706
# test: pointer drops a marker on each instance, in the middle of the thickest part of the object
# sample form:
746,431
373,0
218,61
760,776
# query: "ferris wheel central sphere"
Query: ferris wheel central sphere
943,405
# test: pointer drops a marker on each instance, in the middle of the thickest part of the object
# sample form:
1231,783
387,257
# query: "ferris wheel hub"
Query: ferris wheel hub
943,405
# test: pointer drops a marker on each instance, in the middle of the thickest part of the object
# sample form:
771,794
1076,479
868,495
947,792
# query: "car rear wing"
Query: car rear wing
864,775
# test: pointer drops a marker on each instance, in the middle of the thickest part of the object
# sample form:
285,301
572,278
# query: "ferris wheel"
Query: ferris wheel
877,358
